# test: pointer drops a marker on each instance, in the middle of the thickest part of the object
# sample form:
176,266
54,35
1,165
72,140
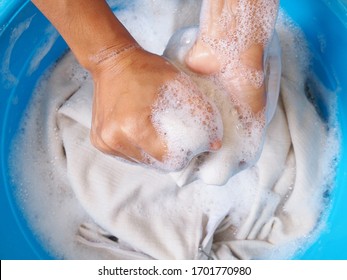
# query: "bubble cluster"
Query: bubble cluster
186,120
249,23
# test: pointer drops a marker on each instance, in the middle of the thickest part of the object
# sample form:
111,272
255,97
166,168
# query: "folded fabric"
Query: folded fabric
141,213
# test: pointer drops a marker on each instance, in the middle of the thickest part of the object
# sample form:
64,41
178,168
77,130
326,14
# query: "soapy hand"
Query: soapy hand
145,110
121,123
129,85
237,55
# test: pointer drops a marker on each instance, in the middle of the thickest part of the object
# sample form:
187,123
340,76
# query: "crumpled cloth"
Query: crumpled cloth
141,213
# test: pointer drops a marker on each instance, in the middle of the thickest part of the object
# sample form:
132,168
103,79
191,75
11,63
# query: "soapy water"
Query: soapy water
179,119
51,207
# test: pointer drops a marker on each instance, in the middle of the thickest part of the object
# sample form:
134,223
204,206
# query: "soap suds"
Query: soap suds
186,120
249,24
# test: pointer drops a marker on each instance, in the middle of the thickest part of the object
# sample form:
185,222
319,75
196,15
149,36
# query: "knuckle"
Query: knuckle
93,139
112,137
106,137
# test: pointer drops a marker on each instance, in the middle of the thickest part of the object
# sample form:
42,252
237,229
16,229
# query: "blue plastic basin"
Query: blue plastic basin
317,18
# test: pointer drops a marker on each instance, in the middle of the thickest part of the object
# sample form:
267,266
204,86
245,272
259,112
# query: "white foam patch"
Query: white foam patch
186,120
249,23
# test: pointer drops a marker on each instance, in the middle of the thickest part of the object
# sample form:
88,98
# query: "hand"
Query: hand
127,85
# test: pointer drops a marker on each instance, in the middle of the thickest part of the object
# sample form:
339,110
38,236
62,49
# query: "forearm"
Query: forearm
88,26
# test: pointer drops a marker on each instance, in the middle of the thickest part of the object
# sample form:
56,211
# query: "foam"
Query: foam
250,23
186,120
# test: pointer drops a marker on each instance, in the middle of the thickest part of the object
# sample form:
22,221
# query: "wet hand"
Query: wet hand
128,85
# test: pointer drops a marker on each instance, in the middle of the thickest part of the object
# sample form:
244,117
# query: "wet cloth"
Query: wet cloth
141,213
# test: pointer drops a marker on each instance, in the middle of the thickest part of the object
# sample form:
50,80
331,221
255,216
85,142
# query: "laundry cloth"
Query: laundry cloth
142,213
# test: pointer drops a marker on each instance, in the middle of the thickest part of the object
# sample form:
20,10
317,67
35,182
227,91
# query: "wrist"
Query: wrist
114,57
106,38
89,27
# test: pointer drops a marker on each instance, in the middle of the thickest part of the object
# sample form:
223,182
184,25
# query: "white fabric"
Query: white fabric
259,210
